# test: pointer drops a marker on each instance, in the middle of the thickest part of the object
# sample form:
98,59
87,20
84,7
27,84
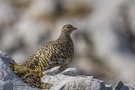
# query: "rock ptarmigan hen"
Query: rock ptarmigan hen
54,53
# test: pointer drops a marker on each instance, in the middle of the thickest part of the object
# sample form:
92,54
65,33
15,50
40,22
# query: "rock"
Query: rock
8,80
130,86
121,86
69,79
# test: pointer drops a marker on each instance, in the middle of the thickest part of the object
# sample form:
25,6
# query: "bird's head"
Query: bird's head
68,29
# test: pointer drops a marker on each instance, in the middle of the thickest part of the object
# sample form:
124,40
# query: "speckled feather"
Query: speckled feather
54,53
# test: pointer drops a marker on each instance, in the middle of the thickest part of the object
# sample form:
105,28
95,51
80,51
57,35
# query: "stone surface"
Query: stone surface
8,80
70,79
67,80
121,86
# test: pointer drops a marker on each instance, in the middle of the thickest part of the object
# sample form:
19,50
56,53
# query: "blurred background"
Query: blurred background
104,42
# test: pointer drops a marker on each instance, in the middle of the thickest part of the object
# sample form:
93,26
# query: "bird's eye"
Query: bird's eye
68,27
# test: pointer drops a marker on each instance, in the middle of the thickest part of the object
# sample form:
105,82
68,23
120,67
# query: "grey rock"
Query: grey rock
129,86
70,79
121,86
8,80
67,80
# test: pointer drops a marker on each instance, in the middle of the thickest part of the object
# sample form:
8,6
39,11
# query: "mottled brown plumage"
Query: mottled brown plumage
54,53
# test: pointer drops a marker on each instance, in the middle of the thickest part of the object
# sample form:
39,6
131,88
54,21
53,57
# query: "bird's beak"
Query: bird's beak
74,28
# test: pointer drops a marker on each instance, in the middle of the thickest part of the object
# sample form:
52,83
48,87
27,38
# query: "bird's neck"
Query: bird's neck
64,36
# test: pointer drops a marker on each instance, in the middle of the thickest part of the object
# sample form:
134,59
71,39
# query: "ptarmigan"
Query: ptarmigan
54,53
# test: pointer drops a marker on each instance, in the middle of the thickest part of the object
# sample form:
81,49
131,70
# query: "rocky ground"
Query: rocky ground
70,79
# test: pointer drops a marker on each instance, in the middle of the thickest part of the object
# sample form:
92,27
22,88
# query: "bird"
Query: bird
54,53
59,52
